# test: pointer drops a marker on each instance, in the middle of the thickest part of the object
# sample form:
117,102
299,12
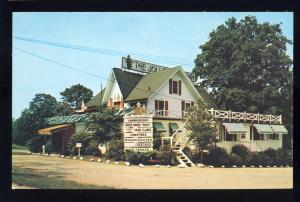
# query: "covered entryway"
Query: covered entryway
60,135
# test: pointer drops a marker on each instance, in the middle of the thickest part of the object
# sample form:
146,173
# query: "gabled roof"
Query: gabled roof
149,83
96,101
126,80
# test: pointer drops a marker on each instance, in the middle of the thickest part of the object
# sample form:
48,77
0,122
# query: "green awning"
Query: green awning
279,129
159,126
235,128
263,128
173,126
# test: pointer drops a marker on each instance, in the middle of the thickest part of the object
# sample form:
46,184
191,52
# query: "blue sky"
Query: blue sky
176,35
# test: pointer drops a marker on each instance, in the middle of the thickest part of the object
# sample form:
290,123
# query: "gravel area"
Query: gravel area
150,177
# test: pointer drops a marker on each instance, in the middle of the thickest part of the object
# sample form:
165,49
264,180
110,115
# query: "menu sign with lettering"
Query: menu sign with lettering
138,133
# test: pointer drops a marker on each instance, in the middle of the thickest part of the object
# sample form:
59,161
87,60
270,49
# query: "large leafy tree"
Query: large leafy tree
76,94
246,66
203,127
106,125
42,106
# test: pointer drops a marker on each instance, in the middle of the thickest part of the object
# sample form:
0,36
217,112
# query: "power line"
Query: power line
159,59
88,73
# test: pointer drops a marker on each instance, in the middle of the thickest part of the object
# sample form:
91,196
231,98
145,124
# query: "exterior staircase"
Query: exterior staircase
181,140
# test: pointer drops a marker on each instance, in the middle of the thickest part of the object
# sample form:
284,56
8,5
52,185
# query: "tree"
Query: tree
203,127
106,125
63,109
76,94
42,106
247,69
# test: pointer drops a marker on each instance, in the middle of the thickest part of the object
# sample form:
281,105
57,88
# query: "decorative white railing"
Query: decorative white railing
161,113
259,118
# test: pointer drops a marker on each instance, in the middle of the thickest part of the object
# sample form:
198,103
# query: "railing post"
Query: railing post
270,118
229,114
245,117
280,119
257,117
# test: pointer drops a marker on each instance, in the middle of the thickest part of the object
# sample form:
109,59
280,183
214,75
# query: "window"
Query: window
161,107
243,136
274,136
175,87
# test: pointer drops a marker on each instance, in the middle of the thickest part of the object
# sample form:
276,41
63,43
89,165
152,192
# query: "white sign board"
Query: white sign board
78,144
141,66
146,67
138,133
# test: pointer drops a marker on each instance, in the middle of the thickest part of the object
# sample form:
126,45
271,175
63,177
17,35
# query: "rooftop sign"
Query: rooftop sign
145,67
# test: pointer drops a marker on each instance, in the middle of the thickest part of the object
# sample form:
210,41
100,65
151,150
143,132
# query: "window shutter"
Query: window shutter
170,86
182,105
166,108
156,104
179,86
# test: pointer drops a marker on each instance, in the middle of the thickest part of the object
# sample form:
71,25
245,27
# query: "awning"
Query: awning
263,128
235,128
159,126
50,130
173,126
279,129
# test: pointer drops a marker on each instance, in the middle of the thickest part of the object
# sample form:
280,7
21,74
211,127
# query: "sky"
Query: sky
153,36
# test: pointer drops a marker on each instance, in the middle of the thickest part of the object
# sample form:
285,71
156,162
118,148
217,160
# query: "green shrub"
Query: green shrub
260,158
92,148
140,157
85,139
241,151
35,143
166,157
116,150
254,159
235,160
285,156
217,157
48,146
273,155
133,157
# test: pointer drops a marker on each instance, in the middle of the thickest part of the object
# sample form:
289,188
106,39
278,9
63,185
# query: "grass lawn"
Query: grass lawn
26,177
20,150
18,147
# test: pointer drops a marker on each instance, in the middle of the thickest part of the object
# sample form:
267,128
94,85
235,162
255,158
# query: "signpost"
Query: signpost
43,149
138,133
78,145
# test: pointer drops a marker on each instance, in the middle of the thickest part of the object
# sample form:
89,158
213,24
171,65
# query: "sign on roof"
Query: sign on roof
145,67
140,65
138,133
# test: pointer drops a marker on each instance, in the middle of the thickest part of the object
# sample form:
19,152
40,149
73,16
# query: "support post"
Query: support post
78,152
